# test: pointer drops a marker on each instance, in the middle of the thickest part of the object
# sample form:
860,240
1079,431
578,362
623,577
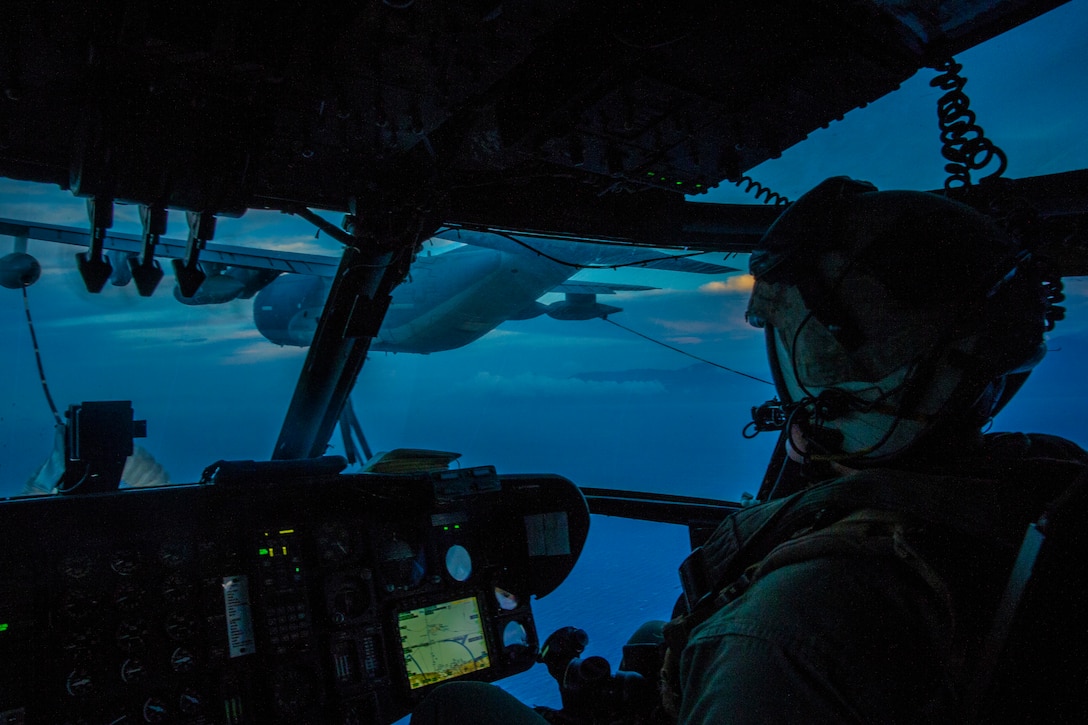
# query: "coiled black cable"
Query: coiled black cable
964,143
1053,294
761,191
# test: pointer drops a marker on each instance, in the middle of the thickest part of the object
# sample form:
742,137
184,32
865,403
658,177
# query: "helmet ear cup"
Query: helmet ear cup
1013,322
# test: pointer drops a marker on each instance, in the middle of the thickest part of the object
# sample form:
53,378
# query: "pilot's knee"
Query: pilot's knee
455,702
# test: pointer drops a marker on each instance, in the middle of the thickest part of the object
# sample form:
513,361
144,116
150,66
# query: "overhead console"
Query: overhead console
274,598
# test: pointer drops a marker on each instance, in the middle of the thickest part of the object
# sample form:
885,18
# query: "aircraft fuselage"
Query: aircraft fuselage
448,301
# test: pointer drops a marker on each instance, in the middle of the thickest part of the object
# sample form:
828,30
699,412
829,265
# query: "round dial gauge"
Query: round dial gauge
131,635
180,627
76,566
133,671
128,596
190,702
458,562
79,683
154,710
182,660
175,553
176,590
334,542
124,562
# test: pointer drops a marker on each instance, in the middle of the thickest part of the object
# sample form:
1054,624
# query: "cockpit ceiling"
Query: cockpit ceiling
222,106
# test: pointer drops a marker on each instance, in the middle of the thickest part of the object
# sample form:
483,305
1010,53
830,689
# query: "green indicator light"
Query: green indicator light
297,570
698,186
445,528
3,626
650,173
679,183
457,526
263,552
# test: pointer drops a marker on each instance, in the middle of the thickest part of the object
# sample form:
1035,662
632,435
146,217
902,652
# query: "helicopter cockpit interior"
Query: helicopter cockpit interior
287,574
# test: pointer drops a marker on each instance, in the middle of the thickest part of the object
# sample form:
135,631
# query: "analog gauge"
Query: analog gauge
78,606
351,600
506,600
133,671
182,660
79,683
292,691
76,566
80,646
458,562
175,553
190,702
334,542
518,644
402,563
131,635
180,627
128,596
154,710
124,562
176,590
514,635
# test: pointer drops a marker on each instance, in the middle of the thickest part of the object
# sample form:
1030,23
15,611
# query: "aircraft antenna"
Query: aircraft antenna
38,359
685,352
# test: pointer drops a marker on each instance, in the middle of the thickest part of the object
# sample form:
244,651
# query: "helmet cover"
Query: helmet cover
887,311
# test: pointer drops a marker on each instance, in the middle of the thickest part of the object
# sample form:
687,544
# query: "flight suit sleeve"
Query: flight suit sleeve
830,640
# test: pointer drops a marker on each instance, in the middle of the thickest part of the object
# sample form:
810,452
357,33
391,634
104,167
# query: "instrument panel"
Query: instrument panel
275,599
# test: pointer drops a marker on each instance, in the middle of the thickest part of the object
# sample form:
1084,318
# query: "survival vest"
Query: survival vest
883,513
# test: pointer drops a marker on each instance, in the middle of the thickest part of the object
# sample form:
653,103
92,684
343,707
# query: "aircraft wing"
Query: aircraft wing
598,288
587,253
293,262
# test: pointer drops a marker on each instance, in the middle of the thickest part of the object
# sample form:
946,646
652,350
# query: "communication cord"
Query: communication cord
38,359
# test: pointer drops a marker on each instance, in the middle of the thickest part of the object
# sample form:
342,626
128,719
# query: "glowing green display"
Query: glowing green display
443,641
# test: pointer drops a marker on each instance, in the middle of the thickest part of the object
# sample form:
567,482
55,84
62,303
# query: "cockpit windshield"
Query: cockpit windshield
616,367
647,369
592,363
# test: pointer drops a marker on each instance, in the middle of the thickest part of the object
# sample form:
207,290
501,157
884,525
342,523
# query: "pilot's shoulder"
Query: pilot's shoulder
1019,446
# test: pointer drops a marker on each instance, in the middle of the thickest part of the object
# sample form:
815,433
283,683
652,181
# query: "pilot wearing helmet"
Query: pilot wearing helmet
898,324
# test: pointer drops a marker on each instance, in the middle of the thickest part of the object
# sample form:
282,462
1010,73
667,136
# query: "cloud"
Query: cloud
740,284
203,333
528,385
262,351
702,327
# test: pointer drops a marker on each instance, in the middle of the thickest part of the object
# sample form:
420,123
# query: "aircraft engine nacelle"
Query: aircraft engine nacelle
536,309
286,311
580,307
19,269
215,290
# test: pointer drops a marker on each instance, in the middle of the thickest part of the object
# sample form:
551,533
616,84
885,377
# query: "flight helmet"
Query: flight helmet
892,318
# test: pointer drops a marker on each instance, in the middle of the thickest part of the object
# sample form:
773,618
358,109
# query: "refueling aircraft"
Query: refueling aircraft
448,301
270,582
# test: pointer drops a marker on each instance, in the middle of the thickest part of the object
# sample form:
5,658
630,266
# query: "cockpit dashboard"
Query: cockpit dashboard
271,598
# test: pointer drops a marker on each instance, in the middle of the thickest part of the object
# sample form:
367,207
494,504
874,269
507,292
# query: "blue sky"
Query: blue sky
583,399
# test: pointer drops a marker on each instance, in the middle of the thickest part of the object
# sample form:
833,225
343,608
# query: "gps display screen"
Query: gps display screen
442,641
